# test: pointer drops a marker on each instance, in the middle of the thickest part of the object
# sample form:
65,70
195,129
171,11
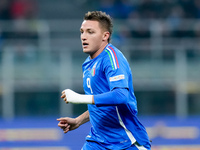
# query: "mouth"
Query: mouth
85,44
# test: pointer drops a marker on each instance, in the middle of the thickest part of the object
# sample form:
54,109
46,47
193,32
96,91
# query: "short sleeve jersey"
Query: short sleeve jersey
115,126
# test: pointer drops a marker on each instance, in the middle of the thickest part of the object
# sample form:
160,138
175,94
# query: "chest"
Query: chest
94,78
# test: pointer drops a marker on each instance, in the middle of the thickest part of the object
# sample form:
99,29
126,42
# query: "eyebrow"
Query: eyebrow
86,29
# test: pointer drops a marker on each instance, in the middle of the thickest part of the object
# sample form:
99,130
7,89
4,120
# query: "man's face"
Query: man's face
92,36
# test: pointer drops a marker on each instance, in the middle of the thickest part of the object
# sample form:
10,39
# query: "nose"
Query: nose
83,36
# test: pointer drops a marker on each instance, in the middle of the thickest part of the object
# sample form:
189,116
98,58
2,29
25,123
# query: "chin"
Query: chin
86,51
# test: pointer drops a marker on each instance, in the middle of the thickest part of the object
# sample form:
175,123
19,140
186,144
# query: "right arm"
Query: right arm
68,124
83,118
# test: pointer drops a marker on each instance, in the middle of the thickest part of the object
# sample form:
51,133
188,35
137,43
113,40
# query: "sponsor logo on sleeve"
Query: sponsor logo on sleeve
117,78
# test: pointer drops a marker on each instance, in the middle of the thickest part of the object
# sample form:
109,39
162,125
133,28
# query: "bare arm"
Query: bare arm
68,124
83,118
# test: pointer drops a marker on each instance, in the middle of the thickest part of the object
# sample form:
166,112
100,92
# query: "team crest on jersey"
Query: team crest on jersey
117,78
93,69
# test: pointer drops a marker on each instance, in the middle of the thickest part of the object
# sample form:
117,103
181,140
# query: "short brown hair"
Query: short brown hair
104,20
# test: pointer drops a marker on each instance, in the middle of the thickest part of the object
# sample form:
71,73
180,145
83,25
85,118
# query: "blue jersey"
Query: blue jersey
113,126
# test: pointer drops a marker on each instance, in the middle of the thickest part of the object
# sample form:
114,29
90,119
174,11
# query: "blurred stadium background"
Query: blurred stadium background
40,55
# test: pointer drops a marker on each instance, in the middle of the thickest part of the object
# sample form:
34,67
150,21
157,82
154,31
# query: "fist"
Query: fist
69,95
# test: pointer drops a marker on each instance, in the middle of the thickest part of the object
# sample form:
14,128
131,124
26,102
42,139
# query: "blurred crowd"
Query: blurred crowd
14,15
154,9
17,9
172,11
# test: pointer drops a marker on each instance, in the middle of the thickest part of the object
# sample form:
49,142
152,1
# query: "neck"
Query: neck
94,55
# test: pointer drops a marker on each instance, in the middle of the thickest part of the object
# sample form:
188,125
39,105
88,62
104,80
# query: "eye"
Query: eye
90,32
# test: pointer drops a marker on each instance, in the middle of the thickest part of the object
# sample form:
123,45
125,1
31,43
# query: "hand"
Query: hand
64,96
68,124
70,96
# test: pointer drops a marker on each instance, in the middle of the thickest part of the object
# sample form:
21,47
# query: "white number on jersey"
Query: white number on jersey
89,85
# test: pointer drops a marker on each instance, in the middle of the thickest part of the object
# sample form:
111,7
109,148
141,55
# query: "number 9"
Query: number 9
89,85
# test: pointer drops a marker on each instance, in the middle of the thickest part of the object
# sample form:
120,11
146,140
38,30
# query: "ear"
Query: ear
106,35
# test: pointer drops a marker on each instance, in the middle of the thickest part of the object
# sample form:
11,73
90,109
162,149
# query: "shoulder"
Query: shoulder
114,52
114,56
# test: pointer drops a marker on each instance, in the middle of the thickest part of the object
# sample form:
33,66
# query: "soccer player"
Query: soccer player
109,93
